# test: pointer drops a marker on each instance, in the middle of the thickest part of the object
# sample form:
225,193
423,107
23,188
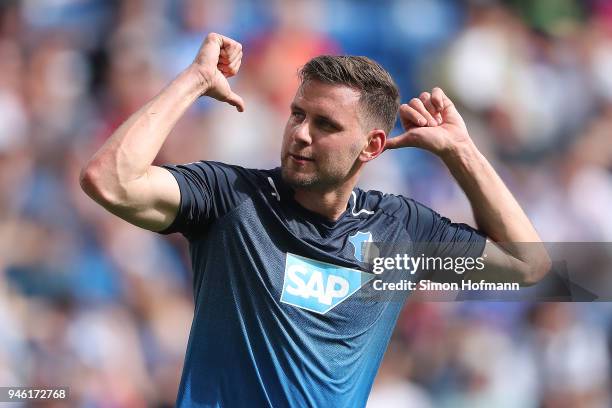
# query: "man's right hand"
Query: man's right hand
219,58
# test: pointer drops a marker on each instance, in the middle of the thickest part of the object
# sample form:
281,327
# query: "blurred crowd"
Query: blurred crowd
90,302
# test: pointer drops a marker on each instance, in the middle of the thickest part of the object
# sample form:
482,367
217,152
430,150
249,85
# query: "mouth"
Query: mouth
300,159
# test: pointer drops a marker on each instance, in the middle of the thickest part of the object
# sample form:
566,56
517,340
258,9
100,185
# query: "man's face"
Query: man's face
323,136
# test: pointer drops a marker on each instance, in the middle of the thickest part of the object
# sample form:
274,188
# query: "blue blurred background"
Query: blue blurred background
90,302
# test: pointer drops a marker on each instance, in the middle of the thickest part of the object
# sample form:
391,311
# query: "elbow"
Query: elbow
93,183
537,270
88,180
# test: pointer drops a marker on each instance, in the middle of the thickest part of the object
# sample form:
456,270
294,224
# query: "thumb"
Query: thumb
411,138
235,100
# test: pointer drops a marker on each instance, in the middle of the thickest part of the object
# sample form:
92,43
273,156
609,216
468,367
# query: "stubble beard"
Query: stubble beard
314,180
298,180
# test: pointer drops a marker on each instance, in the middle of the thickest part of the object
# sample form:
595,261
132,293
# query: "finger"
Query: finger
235,100
392,143
444,101
237,56
229,56
418,105
410,117
211,48
224,59
231,69
234,62
235,65
425,97
407,139
225,71
230,48
437,98
449,111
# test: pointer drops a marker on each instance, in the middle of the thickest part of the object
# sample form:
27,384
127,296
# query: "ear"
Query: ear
376,141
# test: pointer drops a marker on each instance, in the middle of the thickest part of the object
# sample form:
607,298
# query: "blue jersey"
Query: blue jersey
280,318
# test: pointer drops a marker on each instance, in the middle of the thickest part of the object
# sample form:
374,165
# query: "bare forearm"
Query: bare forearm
130,151
518,253
496,211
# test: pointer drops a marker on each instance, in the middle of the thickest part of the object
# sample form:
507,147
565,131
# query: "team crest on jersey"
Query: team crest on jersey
357,241
319,286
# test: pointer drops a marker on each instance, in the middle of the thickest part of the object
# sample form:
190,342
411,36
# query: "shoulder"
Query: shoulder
210,165
225,184
218,171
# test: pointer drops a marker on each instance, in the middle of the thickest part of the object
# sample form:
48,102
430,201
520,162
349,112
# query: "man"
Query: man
276,254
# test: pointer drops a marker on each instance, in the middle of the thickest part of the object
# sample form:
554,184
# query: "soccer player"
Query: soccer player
276,254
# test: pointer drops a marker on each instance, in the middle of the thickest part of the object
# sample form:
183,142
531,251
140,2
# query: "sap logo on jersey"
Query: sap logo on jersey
319,286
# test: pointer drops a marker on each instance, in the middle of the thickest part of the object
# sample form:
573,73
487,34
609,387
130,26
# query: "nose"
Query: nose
301,133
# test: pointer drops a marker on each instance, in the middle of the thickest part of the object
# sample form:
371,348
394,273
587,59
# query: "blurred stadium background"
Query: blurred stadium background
90,302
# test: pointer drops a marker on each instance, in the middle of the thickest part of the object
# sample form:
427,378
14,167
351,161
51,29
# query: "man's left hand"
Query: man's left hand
431,122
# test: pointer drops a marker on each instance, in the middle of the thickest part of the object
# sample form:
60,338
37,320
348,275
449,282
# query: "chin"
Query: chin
296,179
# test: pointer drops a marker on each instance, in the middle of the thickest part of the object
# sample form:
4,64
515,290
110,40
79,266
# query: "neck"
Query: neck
330,204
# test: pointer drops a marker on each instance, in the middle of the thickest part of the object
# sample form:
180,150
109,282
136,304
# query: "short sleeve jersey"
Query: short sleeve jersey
280,318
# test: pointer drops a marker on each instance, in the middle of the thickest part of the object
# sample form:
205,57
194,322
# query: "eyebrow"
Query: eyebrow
331,121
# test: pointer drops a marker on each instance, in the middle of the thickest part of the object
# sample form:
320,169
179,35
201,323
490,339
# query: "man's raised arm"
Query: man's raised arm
121,177
514,252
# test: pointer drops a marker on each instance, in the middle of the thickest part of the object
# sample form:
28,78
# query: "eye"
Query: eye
326,125
297,115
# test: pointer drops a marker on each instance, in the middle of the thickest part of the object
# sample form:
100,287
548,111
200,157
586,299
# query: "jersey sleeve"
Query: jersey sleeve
439,237
208,191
